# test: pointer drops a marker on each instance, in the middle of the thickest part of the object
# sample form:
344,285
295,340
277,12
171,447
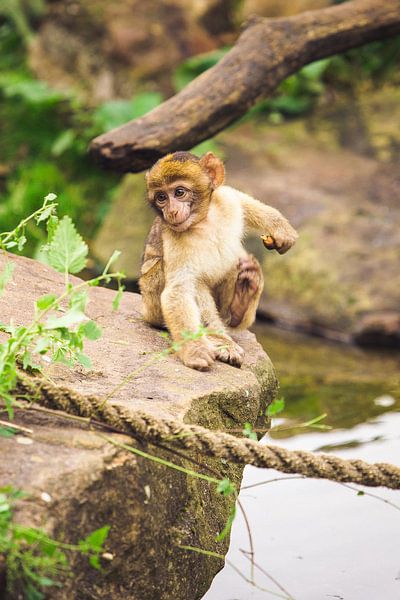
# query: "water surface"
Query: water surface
318,539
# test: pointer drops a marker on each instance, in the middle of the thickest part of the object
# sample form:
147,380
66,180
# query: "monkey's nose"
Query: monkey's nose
174,213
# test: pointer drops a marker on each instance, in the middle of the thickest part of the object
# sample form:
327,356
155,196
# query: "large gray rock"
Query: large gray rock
151,509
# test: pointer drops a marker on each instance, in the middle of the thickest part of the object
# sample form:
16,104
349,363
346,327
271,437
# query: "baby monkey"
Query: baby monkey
195,269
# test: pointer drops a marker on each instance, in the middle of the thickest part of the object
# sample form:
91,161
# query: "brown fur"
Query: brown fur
201,274
170,168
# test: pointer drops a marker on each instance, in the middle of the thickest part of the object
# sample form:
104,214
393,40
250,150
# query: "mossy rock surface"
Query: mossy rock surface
90,483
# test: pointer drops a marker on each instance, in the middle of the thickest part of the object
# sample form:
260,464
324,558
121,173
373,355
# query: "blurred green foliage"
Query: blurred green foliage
373,62
117,112
45,133
44,138
20,13
195,65
298,93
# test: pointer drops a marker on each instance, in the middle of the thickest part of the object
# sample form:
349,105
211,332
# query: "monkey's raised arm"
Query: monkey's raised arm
277,232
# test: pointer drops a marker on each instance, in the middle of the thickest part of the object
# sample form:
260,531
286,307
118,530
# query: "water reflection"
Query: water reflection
318,539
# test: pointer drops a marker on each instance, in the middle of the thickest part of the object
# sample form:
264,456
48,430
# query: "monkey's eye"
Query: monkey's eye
161,197
180,192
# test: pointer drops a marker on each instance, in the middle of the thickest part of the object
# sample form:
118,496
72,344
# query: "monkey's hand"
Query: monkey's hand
281,239
197,354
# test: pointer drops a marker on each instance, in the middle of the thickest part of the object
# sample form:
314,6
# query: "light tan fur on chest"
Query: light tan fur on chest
210,249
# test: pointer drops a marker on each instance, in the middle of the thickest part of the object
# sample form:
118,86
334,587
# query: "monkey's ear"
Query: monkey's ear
214,168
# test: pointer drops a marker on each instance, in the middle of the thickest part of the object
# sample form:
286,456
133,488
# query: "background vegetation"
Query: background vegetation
45,133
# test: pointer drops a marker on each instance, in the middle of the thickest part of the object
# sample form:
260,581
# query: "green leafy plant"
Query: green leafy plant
34,561
60,325
45,135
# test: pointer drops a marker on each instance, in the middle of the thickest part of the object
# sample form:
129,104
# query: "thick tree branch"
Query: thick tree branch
266,53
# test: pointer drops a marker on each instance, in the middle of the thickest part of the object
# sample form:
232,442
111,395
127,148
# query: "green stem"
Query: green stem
161,461
132,375
41,537
9,234
31,329
201,551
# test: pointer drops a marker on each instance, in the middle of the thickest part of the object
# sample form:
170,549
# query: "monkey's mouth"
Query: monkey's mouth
181,226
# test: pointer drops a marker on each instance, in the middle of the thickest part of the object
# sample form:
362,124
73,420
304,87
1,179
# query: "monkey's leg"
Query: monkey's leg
182,314
226,349
240,293
151,285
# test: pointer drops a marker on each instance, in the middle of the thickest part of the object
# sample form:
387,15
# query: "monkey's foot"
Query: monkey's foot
198,354
247,285
229,352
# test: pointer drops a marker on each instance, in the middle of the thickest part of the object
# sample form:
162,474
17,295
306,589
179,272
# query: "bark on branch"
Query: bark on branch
266,53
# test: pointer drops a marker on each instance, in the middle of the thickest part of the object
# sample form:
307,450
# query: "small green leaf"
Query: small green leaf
6,432
84,360
4,506
50,197
67,251
21,242
91,330
249,433
71,317
45,301
27,361
117,298
94,561
42,345
44,215
360,493
46,581
79,300
316,69
51,227
226,487
95,540
315,423
6,276
276,407
227,527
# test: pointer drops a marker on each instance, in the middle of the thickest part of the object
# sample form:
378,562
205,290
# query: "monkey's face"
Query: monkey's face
180,187
179,204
